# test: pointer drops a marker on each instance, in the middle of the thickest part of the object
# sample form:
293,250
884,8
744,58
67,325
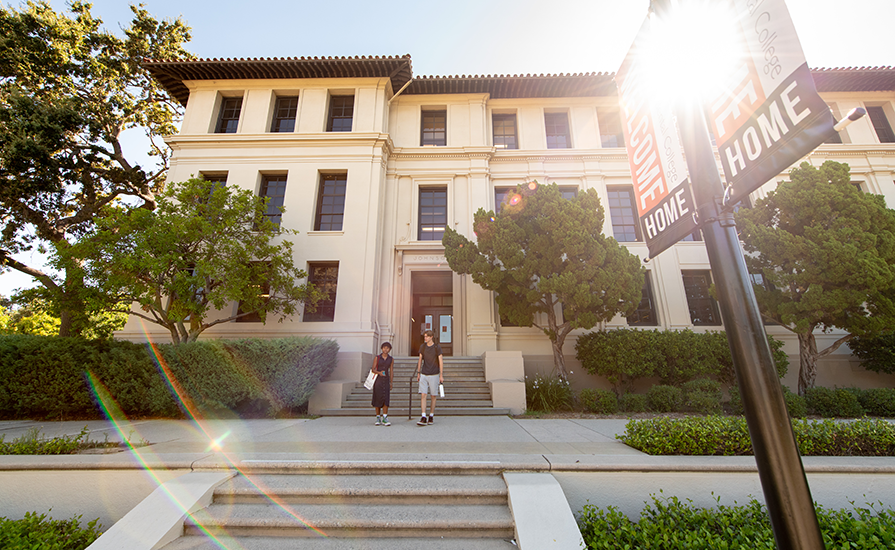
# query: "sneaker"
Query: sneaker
422,421
378,421
385,421
431,419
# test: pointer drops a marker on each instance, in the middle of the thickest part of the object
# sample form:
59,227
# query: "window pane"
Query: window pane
622,212
324,276
434,128
433,213
558,136
284,114
274,187
229,119
331,202
504,131
703,308
611,134
645,315
341,113
568,193
881,124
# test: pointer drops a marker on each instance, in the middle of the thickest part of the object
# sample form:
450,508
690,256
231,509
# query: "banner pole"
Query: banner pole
780,469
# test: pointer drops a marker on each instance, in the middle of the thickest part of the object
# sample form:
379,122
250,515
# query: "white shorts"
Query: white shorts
429,384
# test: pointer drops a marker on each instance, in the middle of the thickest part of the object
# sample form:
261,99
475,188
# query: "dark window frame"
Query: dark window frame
645,315
285,112
324,276
331,194
558,130
622,220
228,116
608,120
273,186
880,123
435,135
703,308
432,213
341,114
502,138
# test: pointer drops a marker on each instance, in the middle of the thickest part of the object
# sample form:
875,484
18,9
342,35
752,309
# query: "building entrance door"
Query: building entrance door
432,310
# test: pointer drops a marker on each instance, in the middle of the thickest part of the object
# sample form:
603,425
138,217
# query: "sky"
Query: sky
476,37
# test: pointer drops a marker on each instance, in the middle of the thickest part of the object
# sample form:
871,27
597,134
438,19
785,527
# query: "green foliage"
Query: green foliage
830,403
729,436
69,90
826,253
39,318
671,524
702,395
205,246
675,356
542,250
662,398
633,402
796,405
39,532
876,352
598,401
879,402
33,443
46,377
547,393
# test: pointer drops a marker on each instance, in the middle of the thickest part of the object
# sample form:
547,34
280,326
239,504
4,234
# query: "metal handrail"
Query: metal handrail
410,398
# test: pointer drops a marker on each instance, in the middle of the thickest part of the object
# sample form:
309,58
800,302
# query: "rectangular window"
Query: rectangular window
274,188
836,137
703,308
341,113
284,114
228,120
504,131
568,192
433,213
434,128
331,202
558,135
324,276
881,124
502,197
263,289
623,213
611,134
645,314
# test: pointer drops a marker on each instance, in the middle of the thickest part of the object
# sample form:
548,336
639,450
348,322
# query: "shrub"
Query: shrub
703,395
729,436
598,401
633,402
46,376
877,354
879,402
671,524
795,403
47,534
665,398
831,403
622,356
547,393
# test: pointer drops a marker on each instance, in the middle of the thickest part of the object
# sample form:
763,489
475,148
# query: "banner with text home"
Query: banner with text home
662,191
770,115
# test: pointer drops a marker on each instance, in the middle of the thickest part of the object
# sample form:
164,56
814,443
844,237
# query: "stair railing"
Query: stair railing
410,397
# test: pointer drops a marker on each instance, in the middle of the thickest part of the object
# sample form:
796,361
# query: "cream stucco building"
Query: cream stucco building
371,164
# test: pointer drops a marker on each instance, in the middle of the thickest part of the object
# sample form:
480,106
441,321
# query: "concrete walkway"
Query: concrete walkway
582,454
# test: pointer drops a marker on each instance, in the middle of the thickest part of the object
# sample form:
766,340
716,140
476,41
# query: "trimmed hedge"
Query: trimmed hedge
832,403
598,401
47,376
671,524
624,356
729,436
665,399
40,532
795,403
633,402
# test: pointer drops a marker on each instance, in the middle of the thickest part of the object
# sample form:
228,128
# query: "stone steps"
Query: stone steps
466,391
340,511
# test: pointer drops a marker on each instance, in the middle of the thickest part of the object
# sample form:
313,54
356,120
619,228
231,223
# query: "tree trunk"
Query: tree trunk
807,361
559,362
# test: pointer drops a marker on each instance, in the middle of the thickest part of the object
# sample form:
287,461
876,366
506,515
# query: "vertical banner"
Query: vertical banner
664,200
770,115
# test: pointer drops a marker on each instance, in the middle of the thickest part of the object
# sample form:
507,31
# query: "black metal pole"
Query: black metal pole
783,480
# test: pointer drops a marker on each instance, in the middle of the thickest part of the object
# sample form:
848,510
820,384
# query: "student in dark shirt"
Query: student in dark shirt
430,374
383,386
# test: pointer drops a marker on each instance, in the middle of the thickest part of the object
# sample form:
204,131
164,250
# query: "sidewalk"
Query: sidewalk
582,454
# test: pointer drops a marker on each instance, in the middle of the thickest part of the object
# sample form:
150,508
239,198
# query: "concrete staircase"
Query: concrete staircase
367,508
466,391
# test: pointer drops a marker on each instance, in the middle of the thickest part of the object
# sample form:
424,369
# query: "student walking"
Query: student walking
383,385
430,374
